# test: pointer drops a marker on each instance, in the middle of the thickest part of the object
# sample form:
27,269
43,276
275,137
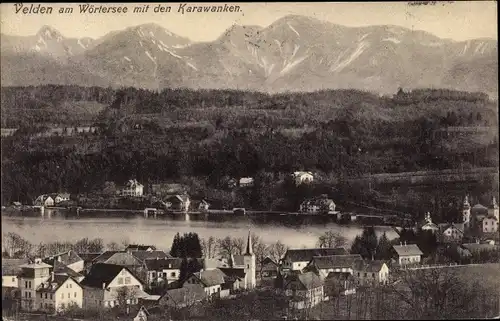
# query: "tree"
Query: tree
277,251
366,244
384,246
209,247
331,239
187,245
125,296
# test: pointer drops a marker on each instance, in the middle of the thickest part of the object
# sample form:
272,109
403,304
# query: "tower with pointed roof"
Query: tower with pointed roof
466,212
493,211
250,267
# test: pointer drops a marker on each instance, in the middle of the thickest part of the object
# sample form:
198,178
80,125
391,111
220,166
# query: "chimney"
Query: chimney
103,285
59,258
405,243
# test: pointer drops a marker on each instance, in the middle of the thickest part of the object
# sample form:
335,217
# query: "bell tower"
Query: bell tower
466,219
250,267
494,208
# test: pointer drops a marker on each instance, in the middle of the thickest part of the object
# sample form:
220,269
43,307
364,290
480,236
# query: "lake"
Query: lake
160,232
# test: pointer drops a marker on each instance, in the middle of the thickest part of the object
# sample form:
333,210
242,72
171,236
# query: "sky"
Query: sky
459,21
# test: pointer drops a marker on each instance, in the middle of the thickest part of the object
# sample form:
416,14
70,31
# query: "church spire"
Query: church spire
249,245
466,202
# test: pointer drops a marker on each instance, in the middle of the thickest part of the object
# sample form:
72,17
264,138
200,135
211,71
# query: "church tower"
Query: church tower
494,208
466,219
250,267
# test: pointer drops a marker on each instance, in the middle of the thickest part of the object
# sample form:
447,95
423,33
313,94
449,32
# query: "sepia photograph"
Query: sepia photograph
249,161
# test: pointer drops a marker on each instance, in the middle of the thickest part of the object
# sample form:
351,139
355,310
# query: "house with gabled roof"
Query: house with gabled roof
69,258
103,284
407,254
305,290
44,200
429,225
297,259
211,281
370,272
132,188
163,271
59,268
179,202
324,265
302,177
451,232
322,205
59,292
268,268
186,296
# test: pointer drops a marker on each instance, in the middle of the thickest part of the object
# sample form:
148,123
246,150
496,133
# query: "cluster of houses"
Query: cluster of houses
477,220
128,277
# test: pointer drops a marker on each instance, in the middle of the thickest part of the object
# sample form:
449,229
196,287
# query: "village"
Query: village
143,279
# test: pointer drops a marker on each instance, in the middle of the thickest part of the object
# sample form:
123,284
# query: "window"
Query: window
365,274
46,295
69,295
62,295
75,295
358,274
41,295
13,279
128,280
29,284
51,296
172,274
153,274
373,275
26,284
70,285
120,281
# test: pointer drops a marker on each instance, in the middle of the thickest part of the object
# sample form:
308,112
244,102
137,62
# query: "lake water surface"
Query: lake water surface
160,232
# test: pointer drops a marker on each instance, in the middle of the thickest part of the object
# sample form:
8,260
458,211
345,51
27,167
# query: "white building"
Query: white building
429,225
490,224
132,188
371,272
318,205
298,259
303,177
29,280
58,293
408,254
107,284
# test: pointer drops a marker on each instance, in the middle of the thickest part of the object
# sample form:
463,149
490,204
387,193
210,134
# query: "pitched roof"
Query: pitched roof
458,226
491,217
124,259
238,260
165,263
308,280
52,284
103,273
188,293
60,268
139,247
368,266
234,273
405,250
66,258
300,173
211,277
146,255
103,257
88,257
302,255
334,261
12,266
269,265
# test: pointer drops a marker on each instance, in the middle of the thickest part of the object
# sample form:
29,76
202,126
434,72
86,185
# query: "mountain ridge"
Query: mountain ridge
294,53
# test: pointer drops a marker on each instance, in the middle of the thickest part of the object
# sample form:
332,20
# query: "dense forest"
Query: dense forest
204,136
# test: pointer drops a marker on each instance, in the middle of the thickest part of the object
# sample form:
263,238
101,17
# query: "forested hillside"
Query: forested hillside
210,134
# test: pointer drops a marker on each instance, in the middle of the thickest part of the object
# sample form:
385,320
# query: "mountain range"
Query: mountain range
295,53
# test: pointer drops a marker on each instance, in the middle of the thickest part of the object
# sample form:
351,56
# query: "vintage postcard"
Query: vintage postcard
250,161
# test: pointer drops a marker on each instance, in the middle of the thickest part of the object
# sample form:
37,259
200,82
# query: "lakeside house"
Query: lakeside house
407,254
44,200
178,202
132,188
322,205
